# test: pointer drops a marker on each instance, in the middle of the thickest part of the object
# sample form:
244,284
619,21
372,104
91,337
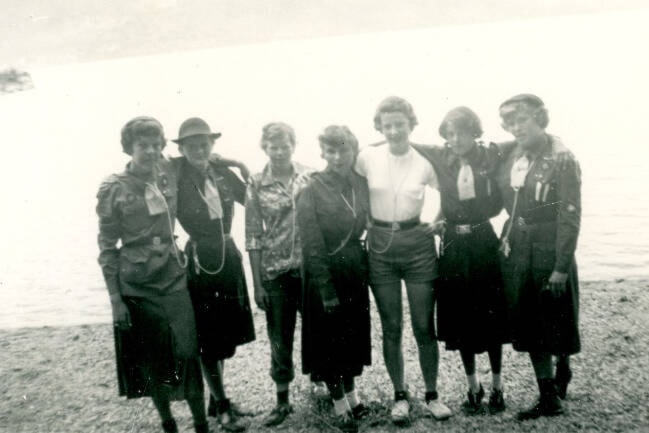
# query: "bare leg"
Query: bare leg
388,301
422,303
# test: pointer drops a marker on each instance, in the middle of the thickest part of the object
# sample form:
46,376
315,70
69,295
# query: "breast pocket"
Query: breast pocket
141,265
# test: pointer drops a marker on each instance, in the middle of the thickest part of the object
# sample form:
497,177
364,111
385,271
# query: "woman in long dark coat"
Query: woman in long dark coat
471,314
207,191
155,332
332,215
542,194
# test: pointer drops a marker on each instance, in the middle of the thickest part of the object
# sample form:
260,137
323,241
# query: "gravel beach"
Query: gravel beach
62,379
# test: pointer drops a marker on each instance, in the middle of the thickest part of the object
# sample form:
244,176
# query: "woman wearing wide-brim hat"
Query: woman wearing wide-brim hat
207,192
542,195
155,333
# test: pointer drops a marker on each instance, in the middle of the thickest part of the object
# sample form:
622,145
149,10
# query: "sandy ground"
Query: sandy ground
62,379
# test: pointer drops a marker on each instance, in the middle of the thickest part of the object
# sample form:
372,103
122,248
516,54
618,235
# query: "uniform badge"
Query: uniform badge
130,198
545,166
571,208
163,181
156,240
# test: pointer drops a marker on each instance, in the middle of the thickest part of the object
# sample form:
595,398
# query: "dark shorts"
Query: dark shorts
407,255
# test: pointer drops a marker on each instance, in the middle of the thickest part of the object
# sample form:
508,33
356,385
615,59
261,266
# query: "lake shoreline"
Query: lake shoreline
62,378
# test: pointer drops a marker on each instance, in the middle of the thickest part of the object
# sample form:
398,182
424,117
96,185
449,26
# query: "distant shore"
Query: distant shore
62,379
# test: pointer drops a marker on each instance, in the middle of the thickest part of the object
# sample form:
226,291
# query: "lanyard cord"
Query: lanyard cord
197,262
395,191
352,208
156,191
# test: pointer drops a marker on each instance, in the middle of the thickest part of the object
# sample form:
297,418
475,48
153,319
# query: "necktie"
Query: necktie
213,199
519,172
465,182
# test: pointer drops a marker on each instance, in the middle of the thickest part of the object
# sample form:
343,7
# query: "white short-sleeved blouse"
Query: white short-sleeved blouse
397,183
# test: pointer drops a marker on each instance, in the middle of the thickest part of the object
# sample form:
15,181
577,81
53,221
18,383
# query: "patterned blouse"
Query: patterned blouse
271,220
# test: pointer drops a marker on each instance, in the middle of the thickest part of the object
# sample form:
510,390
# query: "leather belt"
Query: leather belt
398,225
466,229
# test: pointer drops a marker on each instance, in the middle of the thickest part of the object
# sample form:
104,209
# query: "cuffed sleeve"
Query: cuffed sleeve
315,259
254,220
569,218
109,234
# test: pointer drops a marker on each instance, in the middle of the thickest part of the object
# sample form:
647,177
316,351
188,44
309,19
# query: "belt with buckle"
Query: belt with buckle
397,225
466,229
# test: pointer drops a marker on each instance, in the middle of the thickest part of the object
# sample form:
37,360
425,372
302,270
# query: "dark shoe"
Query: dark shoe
540,409
562,378
496,401
202,428
548,405
347,423
170,426
360,411
278,415
473,405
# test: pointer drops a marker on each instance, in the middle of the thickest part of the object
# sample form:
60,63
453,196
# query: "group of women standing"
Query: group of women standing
318,240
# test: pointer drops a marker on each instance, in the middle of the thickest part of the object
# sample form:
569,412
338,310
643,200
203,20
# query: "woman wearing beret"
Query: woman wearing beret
542,196
155,332
273,243
402,248
207,191
470,300
332,215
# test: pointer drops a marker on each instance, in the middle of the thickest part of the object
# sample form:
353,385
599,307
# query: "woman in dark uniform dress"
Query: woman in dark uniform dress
542,195
332,215
155,333
207,190
471,314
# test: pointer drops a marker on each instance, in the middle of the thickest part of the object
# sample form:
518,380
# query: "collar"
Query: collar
267,175
452,158
139,178
548,151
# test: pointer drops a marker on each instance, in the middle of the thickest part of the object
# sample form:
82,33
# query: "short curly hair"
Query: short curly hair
393,104
462,118
276,131
141,126
337,136
534,102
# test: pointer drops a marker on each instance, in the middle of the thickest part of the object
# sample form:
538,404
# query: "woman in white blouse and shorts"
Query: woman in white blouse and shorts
402,248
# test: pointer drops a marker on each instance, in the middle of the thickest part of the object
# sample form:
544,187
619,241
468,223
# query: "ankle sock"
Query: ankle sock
341,406
352,398
431,395
496,382
474,383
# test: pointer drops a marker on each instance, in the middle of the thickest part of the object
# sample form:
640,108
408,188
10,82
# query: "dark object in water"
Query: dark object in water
13,80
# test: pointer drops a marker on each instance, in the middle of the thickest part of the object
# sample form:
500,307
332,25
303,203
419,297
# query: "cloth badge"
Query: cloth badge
466,183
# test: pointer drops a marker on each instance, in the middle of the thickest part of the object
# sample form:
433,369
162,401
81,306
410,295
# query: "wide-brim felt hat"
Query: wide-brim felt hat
194,126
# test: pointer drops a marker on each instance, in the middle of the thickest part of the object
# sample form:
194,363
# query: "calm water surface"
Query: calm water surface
62,138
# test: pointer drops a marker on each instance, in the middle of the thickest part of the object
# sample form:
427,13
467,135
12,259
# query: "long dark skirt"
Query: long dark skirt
221,302
538,322
338,344
160,348
471,312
